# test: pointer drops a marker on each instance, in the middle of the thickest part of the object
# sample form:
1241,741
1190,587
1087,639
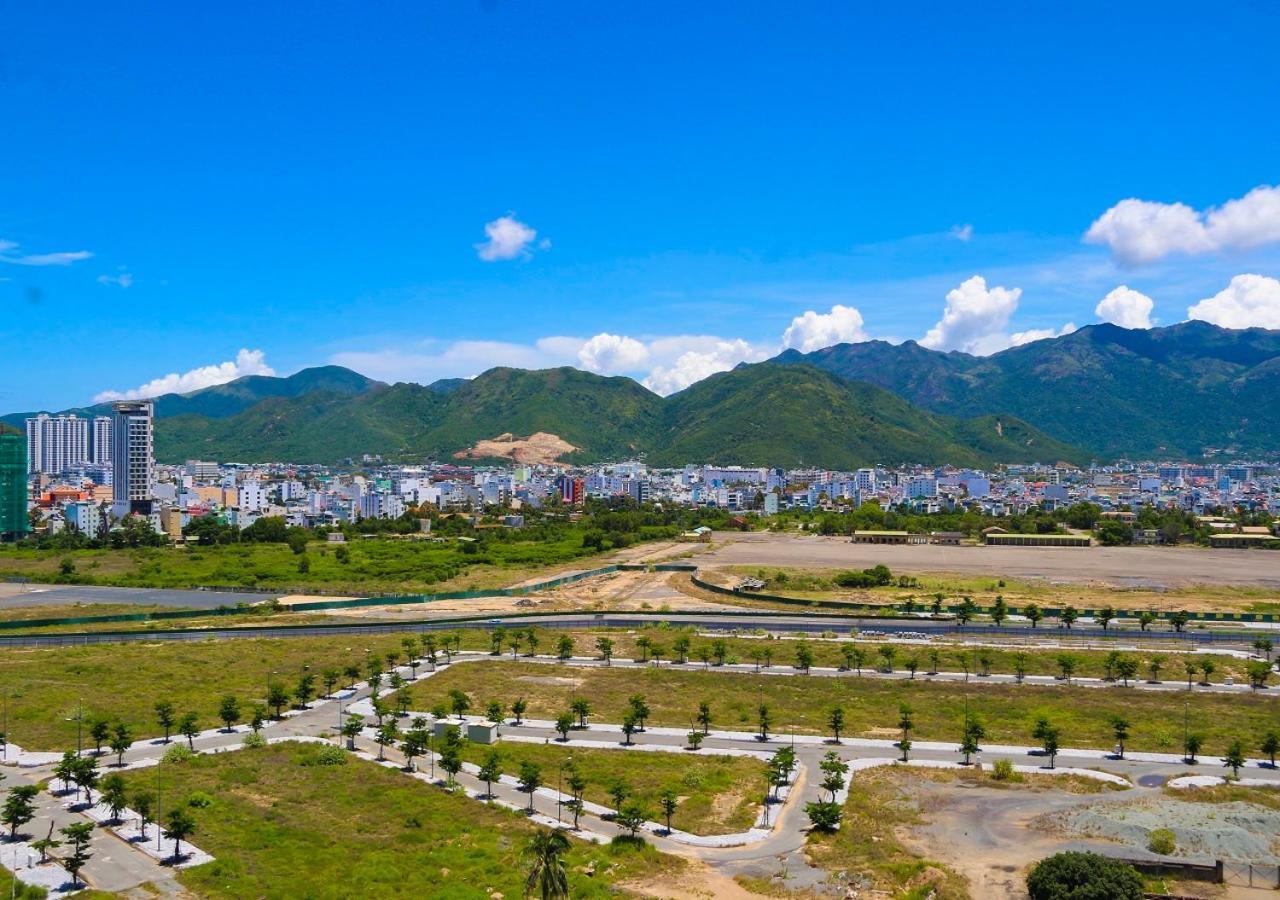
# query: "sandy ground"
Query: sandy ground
698,882
616,592
1160,567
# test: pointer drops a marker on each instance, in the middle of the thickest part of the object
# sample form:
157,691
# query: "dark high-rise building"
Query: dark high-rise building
13,485
132,458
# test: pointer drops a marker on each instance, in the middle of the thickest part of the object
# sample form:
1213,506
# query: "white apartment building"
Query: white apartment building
56,443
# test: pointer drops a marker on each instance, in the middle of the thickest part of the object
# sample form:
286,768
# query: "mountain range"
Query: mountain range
1102,391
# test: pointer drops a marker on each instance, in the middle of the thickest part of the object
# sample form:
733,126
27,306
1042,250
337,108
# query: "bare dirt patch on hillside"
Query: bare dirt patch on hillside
540,448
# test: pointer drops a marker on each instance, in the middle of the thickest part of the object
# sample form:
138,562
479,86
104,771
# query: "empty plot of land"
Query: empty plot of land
1167,567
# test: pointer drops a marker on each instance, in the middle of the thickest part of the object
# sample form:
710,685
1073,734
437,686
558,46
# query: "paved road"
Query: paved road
711,621
13,596
1166,567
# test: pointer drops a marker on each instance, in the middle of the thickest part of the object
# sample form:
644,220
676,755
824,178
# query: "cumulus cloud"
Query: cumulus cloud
9,253
1145,231
1126,307
611,353
508,238
963,233
1018,338
974,319
694,365
1249,301
814,330
247,362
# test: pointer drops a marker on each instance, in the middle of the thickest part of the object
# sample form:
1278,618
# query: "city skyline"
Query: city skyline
436,195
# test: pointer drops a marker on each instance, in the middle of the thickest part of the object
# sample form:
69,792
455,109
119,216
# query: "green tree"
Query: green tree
114,794
564,647
668,800
165,717
99,731
632,817
490,771
1270,745
351,729
545,875
581,707
189,727
704,716
765,720
1034,614
1083,876
605,646
835,719
278,698
78,835
564,722
1234,759
823,815
121,741
19,808
229,711
142,806
518,709
530,779
178,826
804,657
1191,745
1120,728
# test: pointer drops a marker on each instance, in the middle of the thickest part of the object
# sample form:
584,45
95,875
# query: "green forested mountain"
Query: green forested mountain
763,414
1111,390
796,415
1102,391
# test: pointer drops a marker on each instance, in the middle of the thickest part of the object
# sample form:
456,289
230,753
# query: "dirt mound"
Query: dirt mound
540,448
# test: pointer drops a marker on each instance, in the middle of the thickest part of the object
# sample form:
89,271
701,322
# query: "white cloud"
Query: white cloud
1249,301
247,362
1018,338
124,279
1126,307
814,330
9,254
1144,231
694,365
963,233
430,360
974,319
508,238
612,353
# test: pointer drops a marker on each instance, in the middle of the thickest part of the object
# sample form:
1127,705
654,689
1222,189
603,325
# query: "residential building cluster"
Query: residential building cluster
88,474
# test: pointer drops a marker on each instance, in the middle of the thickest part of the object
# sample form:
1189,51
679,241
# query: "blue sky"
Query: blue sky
183,185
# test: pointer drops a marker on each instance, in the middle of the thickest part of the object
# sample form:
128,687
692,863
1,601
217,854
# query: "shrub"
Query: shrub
200,800
1083,876
178,753
323,755
1161,841
1002,770
254,741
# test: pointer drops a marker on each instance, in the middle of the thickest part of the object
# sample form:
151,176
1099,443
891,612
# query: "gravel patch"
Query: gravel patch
1239,831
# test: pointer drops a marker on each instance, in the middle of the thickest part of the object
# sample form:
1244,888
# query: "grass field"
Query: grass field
124,681
718,794
369,567
282,826
1082,715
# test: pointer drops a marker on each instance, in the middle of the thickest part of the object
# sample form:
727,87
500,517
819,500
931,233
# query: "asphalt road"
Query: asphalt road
710,621
1157,567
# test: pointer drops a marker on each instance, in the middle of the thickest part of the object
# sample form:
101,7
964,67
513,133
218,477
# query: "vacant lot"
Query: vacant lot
1160,567
283,825
1082,715
718,794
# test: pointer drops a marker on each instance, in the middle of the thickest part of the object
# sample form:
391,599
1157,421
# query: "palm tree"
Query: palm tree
544,855
178,827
